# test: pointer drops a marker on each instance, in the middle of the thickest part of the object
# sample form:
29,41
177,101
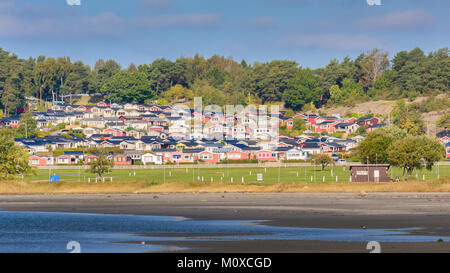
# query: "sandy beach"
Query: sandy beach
429,211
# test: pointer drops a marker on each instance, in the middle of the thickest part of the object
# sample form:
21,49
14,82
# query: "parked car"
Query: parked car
335,157
342,161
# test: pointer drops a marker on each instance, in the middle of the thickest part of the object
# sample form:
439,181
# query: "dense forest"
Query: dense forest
221,80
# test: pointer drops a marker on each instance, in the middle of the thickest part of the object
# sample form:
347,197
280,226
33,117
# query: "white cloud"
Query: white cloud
399,20
266,21
179,20
36,21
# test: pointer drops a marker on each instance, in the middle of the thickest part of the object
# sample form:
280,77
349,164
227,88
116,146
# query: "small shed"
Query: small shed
370,173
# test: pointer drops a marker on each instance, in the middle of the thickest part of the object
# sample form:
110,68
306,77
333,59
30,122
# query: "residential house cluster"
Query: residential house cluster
151,134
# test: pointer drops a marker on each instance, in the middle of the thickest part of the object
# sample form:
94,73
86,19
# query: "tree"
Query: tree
126,87
415,152
299,124
210,95
78,80
412,122
272,79
302,89
444,121
178,92
101,165
162,74
336,94
13,159
374,148
289,113
323,159
372,66
27,126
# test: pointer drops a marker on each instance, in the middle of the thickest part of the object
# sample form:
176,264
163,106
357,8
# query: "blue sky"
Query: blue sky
311,32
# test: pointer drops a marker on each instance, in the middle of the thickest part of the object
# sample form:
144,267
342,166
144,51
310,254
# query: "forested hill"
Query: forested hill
221,80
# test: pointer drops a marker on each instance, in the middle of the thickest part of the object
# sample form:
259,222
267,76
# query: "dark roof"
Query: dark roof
443,134
314,145
246,148
377,125
73,153
369,165
342,125
281,149
163,150
196,150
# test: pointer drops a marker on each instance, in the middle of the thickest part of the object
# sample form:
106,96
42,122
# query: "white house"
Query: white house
150,158
295,154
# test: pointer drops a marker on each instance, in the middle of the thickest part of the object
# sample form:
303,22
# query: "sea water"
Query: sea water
43,232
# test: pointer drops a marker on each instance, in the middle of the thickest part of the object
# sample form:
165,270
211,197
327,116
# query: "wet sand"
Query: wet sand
430,211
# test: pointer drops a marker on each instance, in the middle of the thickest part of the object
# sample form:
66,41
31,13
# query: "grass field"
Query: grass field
233,175
178,179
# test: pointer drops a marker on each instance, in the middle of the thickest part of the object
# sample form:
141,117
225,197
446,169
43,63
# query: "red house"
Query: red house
288,122
209,157
37,161
114,132
235,155
267,156
103,104
121,159
326,126
82,108
367,121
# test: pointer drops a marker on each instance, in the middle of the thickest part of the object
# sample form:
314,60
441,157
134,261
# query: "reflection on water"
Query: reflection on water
50,232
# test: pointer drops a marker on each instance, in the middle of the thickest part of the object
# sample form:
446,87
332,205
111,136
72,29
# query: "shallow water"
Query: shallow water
50,232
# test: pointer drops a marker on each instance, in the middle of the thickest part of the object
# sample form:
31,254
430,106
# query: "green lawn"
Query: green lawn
227,175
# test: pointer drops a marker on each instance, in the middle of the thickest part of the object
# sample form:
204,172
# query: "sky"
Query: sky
311,32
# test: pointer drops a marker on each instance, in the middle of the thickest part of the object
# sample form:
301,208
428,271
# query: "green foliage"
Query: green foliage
61,126
178,92
415,152
430,104
302,89
415,73
128,87
323,160
410,121
299,124
13,159
444,121
27,127
408,118
350,92
372,67
340,82
210,95
289,113
162,102
101,165
374,148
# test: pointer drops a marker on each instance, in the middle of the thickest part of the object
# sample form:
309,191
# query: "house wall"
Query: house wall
366,173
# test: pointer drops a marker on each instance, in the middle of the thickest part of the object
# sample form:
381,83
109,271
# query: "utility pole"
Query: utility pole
368,170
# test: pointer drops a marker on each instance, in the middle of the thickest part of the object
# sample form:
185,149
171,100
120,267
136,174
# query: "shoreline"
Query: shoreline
429,211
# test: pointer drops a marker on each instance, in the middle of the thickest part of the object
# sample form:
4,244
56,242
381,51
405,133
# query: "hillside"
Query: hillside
384,107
